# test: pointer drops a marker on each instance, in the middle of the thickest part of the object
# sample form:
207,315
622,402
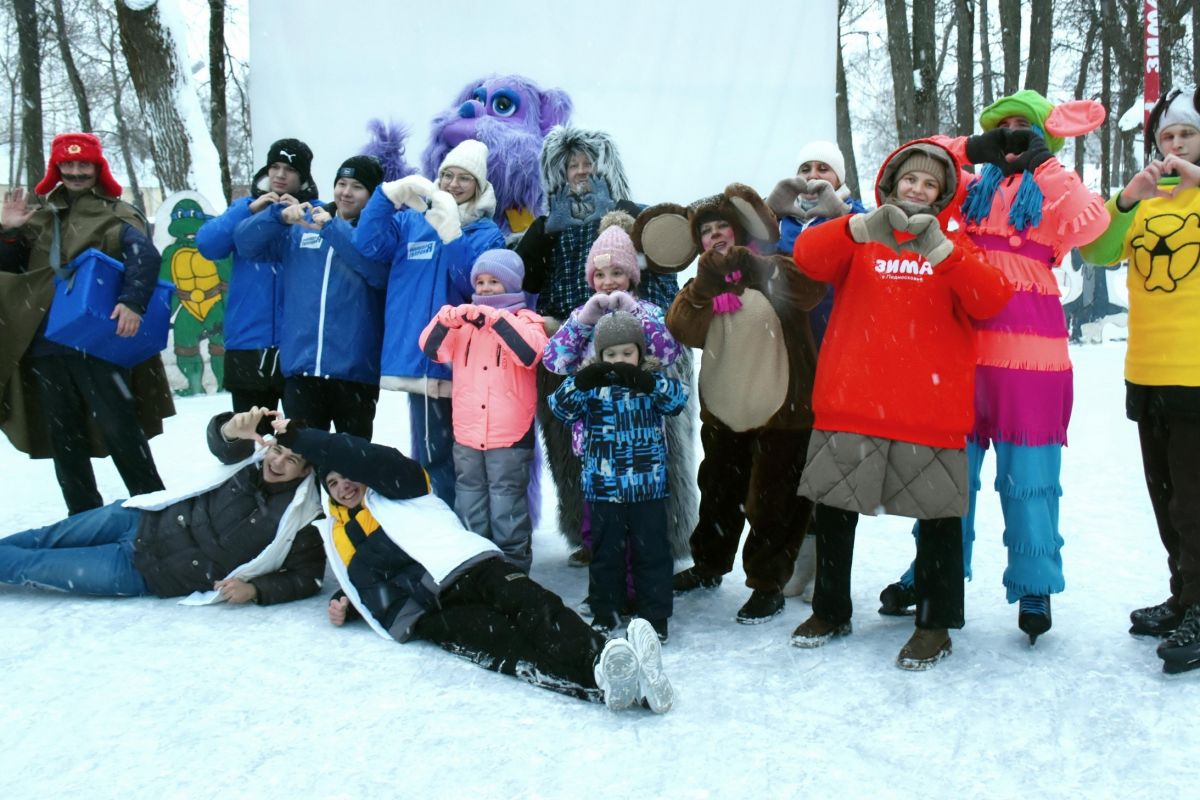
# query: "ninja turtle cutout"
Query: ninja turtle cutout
1168,251
198,307
668,233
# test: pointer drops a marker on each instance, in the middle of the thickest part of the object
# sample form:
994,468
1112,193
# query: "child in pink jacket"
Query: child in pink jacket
494,344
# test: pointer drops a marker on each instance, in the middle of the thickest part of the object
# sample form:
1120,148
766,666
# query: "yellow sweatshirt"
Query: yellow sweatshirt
1160,238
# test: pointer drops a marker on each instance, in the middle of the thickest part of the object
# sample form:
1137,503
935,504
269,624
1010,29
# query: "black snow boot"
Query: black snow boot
690,579
1034,615
1180,651
762,606
897,600
1160,620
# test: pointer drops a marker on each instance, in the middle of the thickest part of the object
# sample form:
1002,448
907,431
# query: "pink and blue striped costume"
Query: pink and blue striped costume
1023,379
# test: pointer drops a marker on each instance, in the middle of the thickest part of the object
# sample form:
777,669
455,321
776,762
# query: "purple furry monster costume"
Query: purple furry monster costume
511,115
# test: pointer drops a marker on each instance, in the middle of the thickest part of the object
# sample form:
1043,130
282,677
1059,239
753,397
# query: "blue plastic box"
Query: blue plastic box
79,315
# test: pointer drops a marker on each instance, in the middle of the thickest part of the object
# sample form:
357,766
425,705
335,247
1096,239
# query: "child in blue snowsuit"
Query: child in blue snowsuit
622,403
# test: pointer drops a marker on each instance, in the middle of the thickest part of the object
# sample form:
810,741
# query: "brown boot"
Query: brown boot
815,632
925,647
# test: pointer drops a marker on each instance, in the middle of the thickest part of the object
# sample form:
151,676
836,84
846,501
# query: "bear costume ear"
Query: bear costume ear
757,220
664,235
554,108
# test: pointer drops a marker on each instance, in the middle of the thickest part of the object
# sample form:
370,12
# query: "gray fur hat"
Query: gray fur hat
563,140
619,327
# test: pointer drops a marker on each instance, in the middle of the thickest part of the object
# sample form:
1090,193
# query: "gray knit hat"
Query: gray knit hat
619,327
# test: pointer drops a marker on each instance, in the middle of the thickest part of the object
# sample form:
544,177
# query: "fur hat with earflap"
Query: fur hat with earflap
78,147
614,248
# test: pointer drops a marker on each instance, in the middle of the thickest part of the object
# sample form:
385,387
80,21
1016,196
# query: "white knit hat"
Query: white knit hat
827,152
1181,111
469,155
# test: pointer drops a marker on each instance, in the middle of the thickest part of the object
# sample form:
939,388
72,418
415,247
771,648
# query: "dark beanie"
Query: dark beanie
367,170
295,153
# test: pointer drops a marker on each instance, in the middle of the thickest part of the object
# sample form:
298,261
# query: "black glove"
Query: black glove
633,376
988,148
287,438
593,375
1032,149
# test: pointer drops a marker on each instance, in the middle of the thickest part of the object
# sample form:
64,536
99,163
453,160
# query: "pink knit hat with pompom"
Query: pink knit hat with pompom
614,248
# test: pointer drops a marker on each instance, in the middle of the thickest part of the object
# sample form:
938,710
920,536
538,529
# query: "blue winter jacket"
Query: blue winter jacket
625,443
252,304
423,276
332,296
789,229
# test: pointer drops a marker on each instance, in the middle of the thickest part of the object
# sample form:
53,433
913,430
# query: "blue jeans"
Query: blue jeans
87,553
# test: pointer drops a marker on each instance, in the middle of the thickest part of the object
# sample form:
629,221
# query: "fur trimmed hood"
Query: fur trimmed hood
564,140
669,234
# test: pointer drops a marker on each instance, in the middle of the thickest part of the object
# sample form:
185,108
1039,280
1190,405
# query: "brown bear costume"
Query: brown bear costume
748,314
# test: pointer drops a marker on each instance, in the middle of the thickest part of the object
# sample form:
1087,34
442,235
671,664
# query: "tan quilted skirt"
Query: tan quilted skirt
882,476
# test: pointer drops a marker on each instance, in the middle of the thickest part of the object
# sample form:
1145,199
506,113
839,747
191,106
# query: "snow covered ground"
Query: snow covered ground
145,698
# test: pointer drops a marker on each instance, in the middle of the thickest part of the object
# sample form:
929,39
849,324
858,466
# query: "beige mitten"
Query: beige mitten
879,226
930,241
782,199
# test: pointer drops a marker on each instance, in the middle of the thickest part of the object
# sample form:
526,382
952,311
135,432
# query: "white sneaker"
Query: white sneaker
617,674
653,684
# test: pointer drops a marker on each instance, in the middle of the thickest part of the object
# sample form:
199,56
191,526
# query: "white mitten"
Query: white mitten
443,216
410,191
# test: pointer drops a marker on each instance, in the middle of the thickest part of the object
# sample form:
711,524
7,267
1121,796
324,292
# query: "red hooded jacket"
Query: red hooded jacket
898,360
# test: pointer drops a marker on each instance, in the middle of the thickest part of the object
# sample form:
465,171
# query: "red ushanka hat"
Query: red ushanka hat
78,147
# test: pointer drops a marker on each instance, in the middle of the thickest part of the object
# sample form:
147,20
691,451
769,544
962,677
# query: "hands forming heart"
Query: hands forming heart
882,224
305,215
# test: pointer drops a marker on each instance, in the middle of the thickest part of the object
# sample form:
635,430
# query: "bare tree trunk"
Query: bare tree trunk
1085,61
902,69
123,136
1166,35
1037,73
1195,45
1106,171
31,89
1010,41
1130,74
985,53
218,118
64,49
150,54
845,132
964,56
924,56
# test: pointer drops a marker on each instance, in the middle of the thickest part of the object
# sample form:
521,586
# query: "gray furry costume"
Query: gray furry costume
555,250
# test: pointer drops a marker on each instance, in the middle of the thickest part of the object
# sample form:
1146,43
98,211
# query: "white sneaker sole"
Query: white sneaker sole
617,674
652,681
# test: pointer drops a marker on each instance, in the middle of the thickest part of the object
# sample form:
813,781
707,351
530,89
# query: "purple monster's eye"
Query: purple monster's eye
480,94
505,103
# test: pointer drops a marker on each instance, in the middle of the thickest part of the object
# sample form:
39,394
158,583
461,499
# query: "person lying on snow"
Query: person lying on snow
412,571
243,531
